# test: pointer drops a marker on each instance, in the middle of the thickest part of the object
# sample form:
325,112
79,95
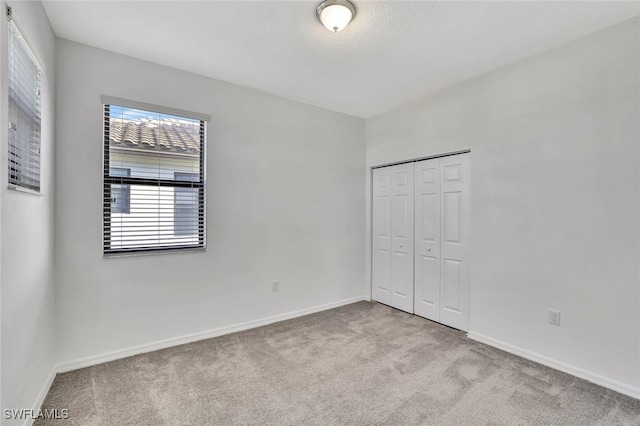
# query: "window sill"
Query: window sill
25,190
152,252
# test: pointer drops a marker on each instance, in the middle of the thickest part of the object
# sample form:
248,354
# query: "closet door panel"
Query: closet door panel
427,239
455,183
381,218
402,237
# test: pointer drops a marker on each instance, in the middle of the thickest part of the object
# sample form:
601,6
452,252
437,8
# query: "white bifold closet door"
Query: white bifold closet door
423,269
442,240
427,224
393,236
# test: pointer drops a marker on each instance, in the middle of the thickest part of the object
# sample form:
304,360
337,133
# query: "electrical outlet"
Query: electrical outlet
275,286
554,317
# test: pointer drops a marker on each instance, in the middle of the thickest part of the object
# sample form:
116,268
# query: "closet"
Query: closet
420,219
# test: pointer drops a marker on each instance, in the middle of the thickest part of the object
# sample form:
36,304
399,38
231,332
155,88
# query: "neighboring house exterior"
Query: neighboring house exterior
166,149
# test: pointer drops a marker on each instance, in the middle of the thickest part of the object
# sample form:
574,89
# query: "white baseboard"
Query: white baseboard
193,337
623,388
43,394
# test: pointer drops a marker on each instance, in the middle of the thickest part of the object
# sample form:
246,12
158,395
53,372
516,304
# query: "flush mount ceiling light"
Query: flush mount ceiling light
335,15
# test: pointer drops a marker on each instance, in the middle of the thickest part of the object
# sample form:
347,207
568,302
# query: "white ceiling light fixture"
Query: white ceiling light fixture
335,15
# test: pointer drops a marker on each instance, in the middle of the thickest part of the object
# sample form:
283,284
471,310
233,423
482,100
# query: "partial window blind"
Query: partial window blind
154,180
24,113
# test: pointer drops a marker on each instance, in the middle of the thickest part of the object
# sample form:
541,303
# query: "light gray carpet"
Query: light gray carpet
361,364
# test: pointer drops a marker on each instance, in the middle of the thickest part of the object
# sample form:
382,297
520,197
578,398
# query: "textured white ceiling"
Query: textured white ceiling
392,53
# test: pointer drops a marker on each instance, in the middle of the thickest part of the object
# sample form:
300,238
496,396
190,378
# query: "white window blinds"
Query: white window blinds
24,112
154,179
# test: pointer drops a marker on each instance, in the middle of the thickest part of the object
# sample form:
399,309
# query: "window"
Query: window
154,182
24,79
120,194
185,217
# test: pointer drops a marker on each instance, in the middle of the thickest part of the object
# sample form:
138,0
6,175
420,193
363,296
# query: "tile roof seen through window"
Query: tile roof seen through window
161,136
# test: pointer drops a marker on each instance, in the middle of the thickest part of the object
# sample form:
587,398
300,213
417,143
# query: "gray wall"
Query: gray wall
554,199
285,202
28,312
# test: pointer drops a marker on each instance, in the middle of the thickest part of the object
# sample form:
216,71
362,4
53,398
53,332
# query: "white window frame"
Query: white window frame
108,250
24,143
